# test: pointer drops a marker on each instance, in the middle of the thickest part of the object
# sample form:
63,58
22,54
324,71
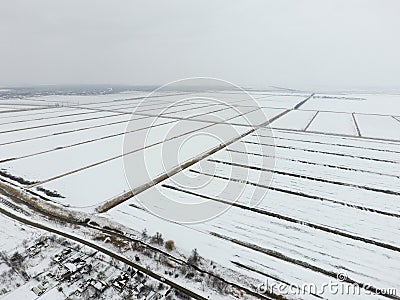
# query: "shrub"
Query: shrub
170,245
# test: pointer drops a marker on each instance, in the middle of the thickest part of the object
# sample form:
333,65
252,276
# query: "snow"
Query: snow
22,116
294,240
67,139
337,123
296,119
3,267
29,125
23,292
53,294
384,127
281,101
97,184
99,188
12,233
11,108
75,158
86,99
329,198
384,104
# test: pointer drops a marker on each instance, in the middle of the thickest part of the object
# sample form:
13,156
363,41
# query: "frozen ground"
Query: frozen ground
328,173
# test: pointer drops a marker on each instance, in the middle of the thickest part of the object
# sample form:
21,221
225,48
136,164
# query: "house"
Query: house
61,256
57,258
33,250
64,275
87,269
138,287
76,276
70,267
98,285
181,295
121,281
38,290
83,286
64,272
151,295
65,252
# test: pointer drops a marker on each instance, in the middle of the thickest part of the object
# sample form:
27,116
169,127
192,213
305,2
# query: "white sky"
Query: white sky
296,43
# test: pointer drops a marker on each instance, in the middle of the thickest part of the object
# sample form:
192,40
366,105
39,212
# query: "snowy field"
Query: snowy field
329,169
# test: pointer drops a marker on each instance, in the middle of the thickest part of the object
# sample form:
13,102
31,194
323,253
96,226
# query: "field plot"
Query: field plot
8,108
385,127
78,157
72,142
316,197
85,99
280,101
346,114
318,218
296,119
337,123
360,103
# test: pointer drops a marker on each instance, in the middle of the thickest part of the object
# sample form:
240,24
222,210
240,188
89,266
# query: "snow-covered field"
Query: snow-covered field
328,174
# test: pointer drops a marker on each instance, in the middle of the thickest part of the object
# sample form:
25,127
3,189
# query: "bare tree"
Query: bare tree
194,258
157,239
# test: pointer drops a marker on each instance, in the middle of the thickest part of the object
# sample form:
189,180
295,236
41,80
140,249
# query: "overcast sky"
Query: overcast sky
300,44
